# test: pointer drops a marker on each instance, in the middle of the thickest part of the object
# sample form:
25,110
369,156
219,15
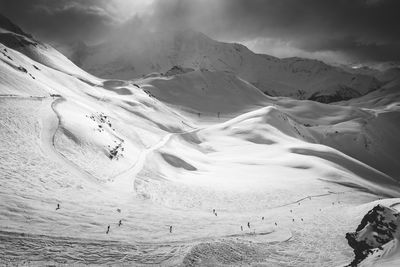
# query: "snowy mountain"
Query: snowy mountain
129,54
191,167
384,76
13,37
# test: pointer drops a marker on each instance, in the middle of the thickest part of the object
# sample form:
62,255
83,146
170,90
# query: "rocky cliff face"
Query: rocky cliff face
377,233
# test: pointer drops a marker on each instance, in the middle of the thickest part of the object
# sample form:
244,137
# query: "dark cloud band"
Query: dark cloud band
362,29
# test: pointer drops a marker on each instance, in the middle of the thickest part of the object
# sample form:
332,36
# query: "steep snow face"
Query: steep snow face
376,239
128,55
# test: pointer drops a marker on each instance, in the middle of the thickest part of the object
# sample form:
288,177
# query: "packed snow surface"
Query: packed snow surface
197,167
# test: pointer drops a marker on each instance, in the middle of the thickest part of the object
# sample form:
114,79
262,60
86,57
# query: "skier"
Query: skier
262,218
241,227
108,229
170,228
276,224
248,224
58,206
120,223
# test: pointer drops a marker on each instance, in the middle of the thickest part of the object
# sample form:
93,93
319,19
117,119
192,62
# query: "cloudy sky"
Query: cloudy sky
331,30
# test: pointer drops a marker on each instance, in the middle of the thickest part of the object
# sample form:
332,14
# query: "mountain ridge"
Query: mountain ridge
127,55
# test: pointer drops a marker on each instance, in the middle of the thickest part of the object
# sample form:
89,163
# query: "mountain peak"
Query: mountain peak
131,53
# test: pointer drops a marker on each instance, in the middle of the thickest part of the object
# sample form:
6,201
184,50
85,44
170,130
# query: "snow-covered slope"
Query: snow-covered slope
13,37
194,167
130,54
384,75
213,93
386,97
367,132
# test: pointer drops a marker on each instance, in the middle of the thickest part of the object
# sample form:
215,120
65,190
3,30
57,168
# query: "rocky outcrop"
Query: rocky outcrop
342,93
378,227
175,70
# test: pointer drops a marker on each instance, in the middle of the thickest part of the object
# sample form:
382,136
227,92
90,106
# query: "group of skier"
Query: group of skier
170,227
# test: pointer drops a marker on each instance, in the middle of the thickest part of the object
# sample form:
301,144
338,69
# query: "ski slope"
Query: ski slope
285,177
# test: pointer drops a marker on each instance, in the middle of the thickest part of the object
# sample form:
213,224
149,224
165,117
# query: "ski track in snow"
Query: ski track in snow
34,249
218,240
125,181
50,124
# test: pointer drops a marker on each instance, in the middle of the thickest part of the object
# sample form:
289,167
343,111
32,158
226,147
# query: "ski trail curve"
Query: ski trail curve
125,181
50,124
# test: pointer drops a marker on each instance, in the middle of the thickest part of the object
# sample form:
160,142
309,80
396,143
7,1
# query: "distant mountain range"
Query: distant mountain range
128,54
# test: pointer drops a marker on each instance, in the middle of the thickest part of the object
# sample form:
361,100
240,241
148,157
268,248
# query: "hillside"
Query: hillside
129,54
191,167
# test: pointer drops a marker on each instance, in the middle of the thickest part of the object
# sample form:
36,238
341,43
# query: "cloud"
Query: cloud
61,20
282,49
363,30
360,29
